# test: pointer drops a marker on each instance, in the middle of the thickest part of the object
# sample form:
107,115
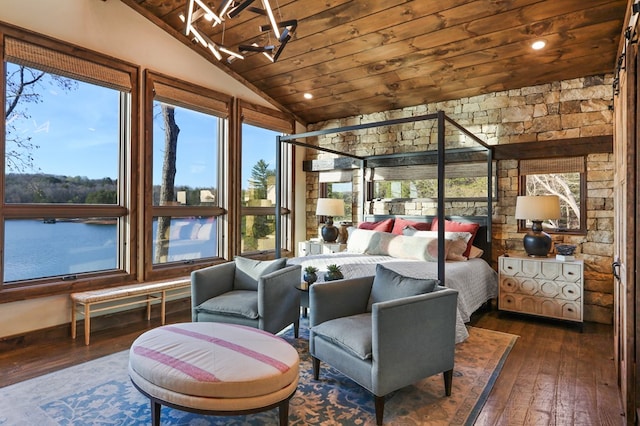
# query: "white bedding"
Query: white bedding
474,279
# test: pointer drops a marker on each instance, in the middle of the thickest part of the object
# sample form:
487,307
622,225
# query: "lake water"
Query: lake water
34,249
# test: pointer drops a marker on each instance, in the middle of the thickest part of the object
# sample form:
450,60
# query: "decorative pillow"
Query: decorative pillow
405,247
359,240
456,248
452,226
389,285
382,226
400,224
475,252
249,271
352,333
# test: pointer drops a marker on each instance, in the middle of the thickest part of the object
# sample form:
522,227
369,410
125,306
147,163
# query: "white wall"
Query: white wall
109,27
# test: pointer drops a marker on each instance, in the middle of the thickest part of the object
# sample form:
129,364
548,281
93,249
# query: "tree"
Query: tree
259,182
167,185
566,186
261,177
23,87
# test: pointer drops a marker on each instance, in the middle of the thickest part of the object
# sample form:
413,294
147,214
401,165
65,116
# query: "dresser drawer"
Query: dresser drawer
544,287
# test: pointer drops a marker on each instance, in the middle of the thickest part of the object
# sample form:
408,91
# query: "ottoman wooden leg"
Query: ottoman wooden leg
155,412
283,410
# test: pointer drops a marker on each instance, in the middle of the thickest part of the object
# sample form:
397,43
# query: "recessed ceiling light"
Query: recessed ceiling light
538,44
308,96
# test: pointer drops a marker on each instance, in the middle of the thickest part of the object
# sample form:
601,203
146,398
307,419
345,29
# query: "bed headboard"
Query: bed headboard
482,240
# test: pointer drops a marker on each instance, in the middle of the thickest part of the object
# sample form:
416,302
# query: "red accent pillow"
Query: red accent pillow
401,223
382,226
452,226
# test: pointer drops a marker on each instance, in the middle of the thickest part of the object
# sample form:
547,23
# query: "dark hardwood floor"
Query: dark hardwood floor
555,374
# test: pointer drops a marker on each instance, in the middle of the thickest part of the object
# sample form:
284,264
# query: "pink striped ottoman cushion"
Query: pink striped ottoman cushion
213,360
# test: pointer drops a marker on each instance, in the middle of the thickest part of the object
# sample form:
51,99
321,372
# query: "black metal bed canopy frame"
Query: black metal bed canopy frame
441,118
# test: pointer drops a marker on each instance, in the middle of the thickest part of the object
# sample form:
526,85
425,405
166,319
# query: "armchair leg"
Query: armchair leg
448,379
296,328
379,402
316,367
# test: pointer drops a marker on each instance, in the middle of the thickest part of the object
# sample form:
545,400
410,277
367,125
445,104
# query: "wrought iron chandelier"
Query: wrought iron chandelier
229,9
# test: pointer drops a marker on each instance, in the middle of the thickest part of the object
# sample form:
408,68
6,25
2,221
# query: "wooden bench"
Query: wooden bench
83,303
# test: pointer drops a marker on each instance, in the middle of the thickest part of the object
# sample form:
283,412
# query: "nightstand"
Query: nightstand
305,248
545,287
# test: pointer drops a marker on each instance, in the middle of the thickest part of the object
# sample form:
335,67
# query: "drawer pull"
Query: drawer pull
570,310
570,291
569,273
509,267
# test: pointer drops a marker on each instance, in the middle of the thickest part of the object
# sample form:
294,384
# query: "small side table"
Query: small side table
306,248
304,298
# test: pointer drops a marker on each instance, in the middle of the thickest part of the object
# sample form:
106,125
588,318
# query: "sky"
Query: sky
76,132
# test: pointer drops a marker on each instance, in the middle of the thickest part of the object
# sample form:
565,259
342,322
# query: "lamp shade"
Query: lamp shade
330,207
538,207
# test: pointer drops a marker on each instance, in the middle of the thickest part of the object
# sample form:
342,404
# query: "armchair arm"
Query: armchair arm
211,282
413,337
338,299
277,289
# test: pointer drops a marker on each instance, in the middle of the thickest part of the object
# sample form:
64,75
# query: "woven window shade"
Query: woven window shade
429,171
191,100
52,61
552,165
269,120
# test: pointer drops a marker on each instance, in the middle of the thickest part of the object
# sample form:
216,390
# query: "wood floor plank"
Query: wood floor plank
554,375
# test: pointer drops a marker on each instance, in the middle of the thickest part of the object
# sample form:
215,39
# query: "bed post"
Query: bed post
278,197
441,158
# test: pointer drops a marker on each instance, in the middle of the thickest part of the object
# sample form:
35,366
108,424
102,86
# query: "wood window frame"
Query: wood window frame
557,168
50,55
165,88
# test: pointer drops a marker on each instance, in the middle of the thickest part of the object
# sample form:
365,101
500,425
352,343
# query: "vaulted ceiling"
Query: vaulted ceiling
359,57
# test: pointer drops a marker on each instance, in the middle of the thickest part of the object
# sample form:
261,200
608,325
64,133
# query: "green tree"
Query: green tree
261,176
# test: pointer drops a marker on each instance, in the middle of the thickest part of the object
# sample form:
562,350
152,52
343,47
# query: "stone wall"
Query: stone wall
560,110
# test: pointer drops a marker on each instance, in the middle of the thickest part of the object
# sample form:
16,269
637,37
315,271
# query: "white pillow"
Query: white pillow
359,240
457,246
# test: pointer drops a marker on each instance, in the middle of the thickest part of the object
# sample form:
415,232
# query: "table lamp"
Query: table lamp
537,208
329,207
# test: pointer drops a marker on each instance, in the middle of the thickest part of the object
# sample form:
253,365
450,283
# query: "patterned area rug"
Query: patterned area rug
99,393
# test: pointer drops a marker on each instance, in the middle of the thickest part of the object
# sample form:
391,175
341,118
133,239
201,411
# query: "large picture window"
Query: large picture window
67,127
259,156
189,139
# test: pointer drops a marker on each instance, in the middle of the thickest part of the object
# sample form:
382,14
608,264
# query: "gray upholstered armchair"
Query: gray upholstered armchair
384,332
259,294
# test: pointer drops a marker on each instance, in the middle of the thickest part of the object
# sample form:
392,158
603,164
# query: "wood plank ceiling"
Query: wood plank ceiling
359,57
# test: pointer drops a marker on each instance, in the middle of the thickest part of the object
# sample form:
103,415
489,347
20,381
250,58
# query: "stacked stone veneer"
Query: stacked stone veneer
560,110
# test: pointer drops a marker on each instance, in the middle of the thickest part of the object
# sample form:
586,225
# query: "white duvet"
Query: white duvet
474,279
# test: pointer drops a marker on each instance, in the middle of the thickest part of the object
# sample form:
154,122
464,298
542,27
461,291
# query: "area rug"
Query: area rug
99,392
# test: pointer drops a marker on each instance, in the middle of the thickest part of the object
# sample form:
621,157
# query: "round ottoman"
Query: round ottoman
214,368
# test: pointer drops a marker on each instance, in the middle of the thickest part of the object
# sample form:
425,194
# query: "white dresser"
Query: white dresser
541,286
305,248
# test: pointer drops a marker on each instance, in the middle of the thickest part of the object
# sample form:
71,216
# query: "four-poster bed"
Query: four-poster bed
475,279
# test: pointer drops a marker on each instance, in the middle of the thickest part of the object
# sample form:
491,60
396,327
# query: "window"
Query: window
338,184
67,135
189,139
258,150
462,181
564,177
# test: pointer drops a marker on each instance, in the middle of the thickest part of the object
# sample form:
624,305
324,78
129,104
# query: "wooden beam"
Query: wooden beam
554,148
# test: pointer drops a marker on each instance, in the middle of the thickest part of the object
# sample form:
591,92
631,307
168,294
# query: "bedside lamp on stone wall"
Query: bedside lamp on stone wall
329,207
537,208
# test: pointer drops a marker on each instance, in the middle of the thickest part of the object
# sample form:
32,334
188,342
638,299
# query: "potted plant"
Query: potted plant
333,273
310,275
